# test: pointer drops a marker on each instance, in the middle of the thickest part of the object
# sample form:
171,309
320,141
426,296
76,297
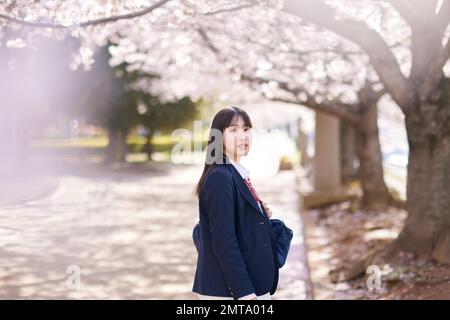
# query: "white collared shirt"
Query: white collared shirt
244,172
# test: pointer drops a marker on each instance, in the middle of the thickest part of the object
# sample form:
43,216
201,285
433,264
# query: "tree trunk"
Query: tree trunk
302,143
8,144
148,147
116,150
368,149
427,229
14,141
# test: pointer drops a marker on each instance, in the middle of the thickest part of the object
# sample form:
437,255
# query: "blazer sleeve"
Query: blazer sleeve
219,203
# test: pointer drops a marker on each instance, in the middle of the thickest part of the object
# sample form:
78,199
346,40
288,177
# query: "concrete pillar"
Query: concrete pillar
327,164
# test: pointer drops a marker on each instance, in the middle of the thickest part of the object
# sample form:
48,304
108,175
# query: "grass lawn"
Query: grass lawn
96,142
95,146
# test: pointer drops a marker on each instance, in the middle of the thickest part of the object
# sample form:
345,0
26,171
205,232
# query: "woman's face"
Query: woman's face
237,139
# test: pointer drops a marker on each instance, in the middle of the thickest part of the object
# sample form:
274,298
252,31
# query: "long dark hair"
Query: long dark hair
214,150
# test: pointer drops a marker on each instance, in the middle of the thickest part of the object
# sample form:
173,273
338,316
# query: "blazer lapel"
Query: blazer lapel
243,188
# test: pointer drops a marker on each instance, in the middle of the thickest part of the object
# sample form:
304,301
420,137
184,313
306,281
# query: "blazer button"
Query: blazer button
265,244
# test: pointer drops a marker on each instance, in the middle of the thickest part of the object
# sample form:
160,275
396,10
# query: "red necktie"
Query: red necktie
252,190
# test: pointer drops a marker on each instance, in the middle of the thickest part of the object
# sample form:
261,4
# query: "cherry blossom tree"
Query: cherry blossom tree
273,54
298,63
335,56
420,89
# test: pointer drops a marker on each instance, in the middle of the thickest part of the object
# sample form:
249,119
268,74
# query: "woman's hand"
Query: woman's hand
267,209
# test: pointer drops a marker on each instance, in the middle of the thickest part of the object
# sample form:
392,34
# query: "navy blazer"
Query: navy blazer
237,254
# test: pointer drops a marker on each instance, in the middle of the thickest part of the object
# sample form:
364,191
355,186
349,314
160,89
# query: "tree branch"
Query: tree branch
442,22
407,10
429,56
346,112
443,16
382,58
443,56
435,72
336,109
85,23
244,6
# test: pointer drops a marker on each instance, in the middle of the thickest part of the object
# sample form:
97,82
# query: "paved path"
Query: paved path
121,236
280,192
16,190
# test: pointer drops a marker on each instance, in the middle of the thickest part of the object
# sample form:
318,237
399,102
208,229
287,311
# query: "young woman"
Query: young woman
237,252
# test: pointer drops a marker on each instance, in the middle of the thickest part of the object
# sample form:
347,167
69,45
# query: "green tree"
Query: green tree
165,116
113,100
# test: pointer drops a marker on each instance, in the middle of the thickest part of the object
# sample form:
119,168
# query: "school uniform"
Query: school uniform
237,255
